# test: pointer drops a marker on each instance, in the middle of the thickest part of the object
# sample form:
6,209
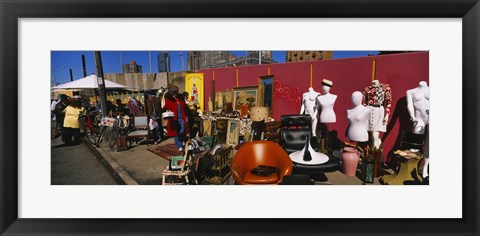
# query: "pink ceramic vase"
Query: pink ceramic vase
350,158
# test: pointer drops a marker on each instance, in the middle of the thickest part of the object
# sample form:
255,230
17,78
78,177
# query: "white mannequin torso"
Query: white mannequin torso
358,118
309,102
327,101
309,106
418,103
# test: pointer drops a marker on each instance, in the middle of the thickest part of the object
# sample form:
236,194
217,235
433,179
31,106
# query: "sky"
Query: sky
63,61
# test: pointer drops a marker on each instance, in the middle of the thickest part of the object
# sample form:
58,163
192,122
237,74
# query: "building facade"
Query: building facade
132,67
297,56
199,60
163,62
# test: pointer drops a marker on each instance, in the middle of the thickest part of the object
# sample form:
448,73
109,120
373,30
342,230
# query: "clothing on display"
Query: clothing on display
378,98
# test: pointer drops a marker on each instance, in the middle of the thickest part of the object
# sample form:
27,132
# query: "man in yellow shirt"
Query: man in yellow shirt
71,125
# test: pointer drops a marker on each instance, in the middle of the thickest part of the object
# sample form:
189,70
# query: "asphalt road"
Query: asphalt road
77,165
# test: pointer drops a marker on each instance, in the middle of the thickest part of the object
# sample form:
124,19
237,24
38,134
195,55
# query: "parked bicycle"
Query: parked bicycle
120,128
91,125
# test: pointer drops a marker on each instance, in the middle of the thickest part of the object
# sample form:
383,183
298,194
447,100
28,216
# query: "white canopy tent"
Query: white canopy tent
89,82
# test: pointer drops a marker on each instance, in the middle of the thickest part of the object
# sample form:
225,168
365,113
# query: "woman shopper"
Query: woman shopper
71,125
177,126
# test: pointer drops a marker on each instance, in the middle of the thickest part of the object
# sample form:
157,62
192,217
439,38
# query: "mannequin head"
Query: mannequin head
422,84
326,89
326,85
356,98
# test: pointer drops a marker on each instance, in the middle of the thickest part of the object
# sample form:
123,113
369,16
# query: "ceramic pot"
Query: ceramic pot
350,159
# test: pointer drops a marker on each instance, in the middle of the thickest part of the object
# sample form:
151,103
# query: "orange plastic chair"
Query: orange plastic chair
256,153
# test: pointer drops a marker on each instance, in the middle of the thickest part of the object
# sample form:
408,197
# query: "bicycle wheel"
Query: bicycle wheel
90,133
113,138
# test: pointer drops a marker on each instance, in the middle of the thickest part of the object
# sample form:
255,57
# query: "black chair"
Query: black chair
412,141
293,134
294,130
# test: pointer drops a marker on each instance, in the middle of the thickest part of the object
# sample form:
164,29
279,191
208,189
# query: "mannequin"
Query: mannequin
327,101
358,117
418,105
309,106
378,98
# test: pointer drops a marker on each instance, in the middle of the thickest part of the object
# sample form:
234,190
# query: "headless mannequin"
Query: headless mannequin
418,105
358,118
377,114
309,107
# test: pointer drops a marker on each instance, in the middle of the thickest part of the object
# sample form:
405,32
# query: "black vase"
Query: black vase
306,155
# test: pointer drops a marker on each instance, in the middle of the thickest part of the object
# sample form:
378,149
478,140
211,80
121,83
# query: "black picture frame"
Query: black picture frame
11,11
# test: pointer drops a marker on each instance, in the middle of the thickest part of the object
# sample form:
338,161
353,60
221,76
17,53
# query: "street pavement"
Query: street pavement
77,165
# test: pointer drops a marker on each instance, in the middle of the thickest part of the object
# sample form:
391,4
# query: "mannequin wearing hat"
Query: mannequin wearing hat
309,106
326,102
358,118
378,98
418,105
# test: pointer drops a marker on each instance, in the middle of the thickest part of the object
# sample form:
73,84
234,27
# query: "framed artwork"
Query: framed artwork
207,127
266,83
13,139
221,130
233,131
245,97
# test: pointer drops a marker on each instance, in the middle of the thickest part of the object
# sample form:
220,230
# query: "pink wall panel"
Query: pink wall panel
248,75
291,80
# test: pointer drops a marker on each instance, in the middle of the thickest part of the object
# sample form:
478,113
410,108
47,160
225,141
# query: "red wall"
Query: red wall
291,80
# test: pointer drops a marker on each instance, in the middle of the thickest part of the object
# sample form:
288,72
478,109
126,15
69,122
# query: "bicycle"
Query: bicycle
91,127
121,128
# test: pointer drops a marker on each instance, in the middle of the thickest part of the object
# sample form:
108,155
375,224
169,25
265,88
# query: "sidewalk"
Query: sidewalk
140,166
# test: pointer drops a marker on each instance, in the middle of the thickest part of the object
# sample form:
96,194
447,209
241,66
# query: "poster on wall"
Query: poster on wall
194,87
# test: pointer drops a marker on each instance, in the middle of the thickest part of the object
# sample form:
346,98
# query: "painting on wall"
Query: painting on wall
245,97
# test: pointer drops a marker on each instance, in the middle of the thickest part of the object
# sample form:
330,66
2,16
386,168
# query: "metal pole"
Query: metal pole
84,66
121,63
101,82
168,62
71,75
259,57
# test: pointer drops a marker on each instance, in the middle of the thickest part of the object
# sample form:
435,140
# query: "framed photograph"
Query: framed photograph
31,30
245,97
233,132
